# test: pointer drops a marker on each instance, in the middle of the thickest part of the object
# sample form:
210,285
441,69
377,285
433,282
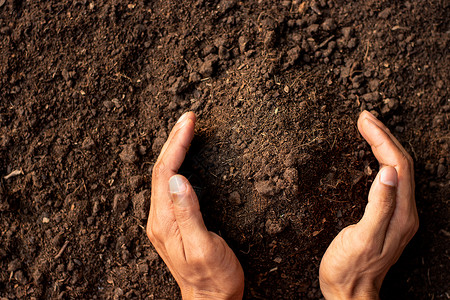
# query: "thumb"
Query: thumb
381,205
187,213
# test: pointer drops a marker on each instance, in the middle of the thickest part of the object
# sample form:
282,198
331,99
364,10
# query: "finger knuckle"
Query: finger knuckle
410,159
158,234
154,233
412,227
409,229
185,216
367,245
199,258
205,256
158,169
362,246
346,235
210,254
185,147
217,239
150,234
403,161
416,225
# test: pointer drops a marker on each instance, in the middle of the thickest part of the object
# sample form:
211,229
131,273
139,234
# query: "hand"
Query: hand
358,259
201,262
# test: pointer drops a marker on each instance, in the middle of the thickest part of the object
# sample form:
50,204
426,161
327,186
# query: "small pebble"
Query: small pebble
206,69
143,268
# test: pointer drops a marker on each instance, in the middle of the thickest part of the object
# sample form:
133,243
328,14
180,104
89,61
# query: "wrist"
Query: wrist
349,292
339,295
191,294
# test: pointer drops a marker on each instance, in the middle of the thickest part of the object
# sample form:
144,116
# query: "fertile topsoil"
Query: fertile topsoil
89,91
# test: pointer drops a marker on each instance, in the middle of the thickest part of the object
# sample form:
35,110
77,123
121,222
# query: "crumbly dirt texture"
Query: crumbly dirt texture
89,91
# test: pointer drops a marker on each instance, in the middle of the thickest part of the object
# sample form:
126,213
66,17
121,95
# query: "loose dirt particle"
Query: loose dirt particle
243,43
312,29
14,265
269,39
291,175
385,13
120,203
129,154
274,226
207,68
141,204
136,181
329,25
235,198
265,188
20,277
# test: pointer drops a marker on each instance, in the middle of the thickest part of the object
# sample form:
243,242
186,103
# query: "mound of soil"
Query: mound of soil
89,91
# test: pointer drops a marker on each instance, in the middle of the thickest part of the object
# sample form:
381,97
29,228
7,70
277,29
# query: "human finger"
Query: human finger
380,207
366,114
169,163
161,217
187,214
187,115
383,146
388,154
404,220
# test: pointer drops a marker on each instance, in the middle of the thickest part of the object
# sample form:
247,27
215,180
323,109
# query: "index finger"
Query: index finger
187,115
388,152
366,114
170,159
386,148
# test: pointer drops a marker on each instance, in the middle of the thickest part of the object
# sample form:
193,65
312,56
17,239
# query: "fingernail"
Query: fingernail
369,114
177,185
388,176
182,118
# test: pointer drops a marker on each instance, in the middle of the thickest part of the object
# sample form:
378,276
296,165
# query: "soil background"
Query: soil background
89,91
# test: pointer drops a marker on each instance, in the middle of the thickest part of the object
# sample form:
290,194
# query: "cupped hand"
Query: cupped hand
200,261
358,259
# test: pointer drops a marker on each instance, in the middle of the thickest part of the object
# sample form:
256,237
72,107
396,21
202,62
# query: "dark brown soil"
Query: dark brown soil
89,91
